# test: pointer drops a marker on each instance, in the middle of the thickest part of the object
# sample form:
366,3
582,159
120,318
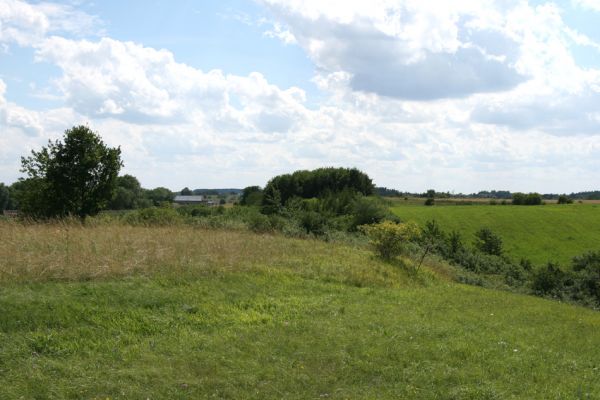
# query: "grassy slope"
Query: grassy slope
540,233
236,315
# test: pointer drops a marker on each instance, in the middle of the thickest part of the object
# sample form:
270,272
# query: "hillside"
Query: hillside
539,233
119,312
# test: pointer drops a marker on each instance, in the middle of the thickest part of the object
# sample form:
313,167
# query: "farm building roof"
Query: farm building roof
190,199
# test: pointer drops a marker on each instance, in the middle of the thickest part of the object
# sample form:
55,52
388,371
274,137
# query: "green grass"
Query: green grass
539,233
235,315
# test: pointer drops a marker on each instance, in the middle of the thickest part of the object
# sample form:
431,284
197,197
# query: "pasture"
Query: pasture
175,312
540,233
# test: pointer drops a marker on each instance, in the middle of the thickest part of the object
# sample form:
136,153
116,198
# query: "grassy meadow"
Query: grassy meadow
175,312
540,233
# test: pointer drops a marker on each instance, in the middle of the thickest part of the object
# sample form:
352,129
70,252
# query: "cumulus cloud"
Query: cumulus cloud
125,80
408,49
451,95
593,5
414,50
26,24
13,116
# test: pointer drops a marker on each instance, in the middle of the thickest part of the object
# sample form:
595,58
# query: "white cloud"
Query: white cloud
418,94
26,24
407,49
593,5
127,81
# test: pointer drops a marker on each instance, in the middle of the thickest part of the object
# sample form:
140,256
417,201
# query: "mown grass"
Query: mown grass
184,313
540,233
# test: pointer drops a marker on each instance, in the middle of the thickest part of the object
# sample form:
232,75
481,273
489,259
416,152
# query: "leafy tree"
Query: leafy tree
159,195
128,194
271,202
75,176
530,199
430,201
186,192
15,193
564,199
318,184
4,196
488,242
251,196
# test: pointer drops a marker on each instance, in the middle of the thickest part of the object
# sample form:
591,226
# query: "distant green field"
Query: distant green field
539,233
182,313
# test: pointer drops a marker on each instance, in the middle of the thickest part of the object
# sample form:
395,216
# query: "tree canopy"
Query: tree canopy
75,176
530,199
316,184
4,196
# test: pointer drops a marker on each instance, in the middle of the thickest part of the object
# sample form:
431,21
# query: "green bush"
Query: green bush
313,222
530,199
153,216
259,223
488,242
390,239
564,199
549,281
368,210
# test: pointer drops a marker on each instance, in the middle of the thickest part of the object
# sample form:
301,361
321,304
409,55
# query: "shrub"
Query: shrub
563,199
430,201
389,239
313,222
368,210
548,280
454,244
153,216
488,242
587,267
259,223
530,199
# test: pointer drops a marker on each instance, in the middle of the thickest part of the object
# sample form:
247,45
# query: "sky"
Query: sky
458,96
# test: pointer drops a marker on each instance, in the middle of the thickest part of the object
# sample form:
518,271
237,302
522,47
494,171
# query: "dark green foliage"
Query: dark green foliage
530,199
548,280
430,201
4,197
252,196
159,196
128,195
488,242
186,192
455,244
564,199
76,176
259,223
153,216
368,210
316,184
387,192
587,267
271,202
313,222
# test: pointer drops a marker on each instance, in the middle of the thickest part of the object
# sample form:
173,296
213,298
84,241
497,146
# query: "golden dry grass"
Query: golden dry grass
70,251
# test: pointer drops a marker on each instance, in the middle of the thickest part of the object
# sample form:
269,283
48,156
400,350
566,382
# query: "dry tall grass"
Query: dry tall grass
70,251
